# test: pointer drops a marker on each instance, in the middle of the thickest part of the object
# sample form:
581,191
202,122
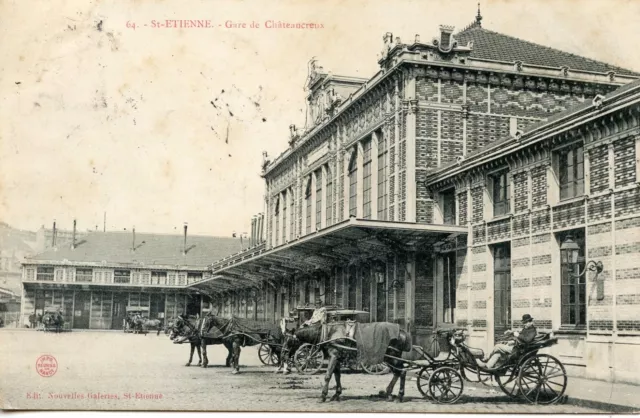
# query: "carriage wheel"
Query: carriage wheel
309,359
507,379
264,353
376,369
445,385
423,381
268,355
542,379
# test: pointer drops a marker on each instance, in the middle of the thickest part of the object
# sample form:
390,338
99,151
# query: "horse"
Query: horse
232,334
312,334
181,331
56,320
142,325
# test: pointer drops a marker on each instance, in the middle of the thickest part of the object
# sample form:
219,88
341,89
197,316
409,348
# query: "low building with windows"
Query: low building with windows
95,278
468,182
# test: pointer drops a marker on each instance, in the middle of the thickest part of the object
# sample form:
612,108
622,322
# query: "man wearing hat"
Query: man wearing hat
525,336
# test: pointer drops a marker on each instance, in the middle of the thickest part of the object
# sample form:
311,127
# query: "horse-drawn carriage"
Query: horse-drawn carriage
525,373
310,358
137,321
52,320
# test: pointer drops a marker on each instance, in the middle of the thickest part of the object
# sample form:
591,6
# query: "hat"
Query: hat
526,318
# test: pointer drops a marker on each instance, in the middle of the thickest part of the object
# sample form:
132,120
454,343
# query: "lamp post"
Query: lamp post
569,253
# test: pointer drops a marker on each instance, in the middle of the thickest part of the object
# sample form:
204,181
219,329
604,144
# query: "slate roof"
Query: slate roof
159,249
499,47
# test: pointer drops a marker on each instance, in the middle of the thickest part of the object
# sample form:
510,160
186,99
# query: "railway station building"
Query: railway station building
93,278
471,180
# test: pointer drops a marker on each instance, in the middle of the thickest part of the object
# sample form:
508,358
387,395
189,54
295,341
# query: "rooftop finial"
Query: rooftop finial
479,16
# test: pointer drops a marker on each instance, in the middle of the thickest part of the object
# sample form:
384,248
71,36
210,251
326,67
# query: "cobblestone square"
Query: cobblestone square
111,370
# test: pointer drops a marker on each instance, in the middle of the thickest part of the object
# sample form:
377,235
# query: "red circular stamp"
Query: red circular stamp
46,365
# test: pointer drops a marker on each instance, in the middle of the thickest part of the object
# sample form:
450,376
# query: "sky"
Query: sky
160,126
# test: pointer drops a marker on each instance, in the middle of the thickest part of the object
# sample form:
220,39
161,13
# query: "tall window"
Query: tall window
329,199
318,199
277,216
448,206
194,277
574,288
353,184
45,274
307,198
284,217
122,276
501,288
570,166
366,180
449,287
500,185
292,218
382,177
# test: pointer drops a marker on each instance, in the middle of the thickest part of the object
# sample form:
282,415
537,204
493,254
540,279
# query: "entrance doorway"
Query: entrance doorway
120,301
194,305
82,310
501,289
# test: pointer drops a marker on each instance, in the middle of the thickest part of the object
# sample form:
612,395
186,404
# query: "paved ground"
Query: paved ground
119,366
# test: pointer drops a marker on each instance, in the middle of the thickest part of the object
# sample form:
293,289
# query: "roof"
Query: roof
159,249
499,47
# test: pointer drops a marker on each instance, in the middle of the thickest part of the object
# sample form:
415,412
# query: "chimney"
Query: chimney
261,227
184,248
133,244
417,40
252,239
73,244
53,235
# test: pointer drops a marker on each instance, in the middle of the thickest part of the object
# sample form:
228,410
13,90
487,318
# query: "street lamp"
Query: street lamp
569,252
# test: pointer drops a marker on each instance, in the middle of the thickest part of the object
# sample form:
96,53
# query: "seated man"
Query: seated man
319,315
525,336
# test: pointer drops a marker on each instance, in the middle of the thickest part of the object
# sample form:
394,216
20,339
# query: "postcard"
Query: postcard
320,206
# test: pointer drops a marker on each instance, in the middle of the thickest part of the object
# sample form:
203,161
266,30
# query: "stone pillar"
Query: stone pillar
359,176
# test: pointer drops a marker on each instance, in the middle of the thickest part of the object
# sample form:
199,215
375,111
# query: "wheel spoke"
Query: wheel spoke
555,375
554,383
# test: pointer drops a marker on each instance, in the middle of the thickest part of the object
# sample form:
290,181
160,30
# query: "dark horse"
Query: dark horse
335,349
183,330
233,333
53,319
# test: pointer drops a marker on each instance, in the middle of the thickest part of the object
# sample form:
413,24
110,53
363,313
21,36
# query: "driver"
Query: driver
525,336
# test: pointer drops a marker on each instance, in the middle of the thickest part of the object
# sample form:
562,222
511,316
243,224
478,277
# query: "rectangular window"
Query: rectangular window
194,277
501,288
318,199
353,185
574,288
122,276
84,275
500,193
308,203
382,177
45,274
366,180
570,166
448,206
449,287
159,277
284,217
329,199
